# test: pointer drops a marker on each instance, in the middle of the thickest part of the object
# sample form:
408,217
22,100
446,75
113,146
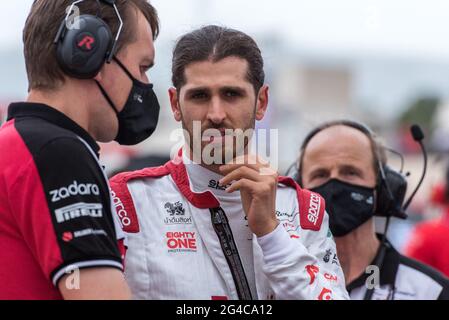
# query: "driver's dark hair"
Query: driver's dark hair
215,43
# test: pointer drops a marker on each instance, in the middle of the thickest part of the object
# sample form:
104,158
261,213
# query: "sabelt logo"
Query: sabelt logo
181,241
77,210
74,189
120,208
325,294
314,208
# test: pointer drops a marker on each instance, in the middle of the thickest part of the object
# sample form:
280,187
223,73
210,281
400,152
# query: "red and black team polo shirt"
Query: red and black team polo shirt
55,206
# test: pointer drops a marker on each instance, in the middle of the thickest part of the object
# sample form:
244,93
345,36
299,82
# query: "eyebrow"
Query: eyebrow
318,170
222,89
350,166
232,88
197,89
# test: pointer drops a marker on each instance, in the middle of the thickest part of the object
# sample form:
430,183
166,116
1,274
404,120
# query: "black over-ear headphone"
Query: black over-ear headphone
391,185
86,43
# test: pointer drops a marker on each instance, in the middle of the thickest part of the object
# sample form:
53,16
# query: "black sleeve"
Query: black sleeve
444,295
79,206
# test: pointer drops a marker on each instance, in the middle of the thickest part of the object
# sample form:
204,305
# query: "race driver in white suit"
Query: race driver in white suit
226,229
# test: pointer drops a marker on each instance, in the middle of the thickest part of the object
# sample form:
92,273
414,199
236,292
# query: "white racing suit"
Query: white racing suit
174,251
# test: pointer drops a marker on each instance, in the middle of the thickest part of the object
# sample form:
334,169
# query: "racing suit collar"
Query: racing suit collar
202,180
178,172
43,111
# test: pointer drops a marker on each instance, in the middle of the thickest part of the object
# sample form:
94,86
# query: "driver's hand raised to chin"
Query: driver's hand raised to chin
257,184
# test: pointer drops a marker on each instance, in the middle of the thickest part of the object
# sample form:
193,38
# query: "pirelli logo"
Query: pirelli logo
314,209
77,210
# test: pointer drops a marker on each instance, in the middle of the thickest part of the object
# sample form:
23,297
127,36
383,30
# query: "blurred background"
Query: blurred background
382,62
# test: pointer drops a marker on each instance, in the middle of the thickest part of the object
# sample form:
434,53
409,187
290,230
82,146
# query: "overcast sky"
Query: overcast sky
399,27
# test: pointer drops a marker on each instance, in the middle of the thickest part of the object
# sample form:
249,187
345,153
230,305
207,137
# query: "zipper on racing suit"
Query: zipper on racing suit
221,226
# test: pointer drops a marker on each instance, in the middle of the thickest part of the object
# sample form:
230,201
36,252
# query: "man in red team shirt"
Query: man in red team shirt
57,227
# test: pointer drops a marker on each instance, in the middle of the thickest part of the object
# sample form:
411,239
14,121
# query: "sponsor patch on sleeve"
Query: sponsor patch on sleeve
312,210
311,205
124,208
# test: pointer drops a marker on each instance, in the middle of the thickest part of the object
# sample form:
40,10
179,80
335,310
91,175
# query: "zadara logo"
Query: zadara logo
325,294
74,189
314,208
181,241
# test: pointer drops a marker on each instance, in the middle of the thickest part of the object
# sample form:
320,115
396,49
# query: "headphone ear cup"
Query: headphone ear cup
82,52
391,194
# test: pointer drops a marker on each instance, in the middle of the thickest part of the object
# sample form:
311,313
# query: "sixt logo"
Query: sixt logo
74,189
314,208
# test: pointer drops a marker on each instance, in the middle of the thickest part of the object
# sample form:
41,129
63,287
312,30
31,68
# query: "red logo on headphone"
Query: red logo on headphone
86,43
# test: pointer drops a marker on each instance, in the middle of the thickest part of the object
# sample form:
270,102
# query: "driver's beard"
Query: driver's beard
229,149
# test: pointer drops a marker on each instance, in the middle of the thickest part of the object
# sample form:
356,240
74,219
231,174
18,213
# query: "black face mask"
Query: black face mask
138,119
348,205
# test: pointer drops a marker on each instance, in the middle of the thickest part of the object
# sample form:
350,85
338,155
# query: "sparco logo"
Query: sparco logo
120,208
175,208
314,208
77,210
74,189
